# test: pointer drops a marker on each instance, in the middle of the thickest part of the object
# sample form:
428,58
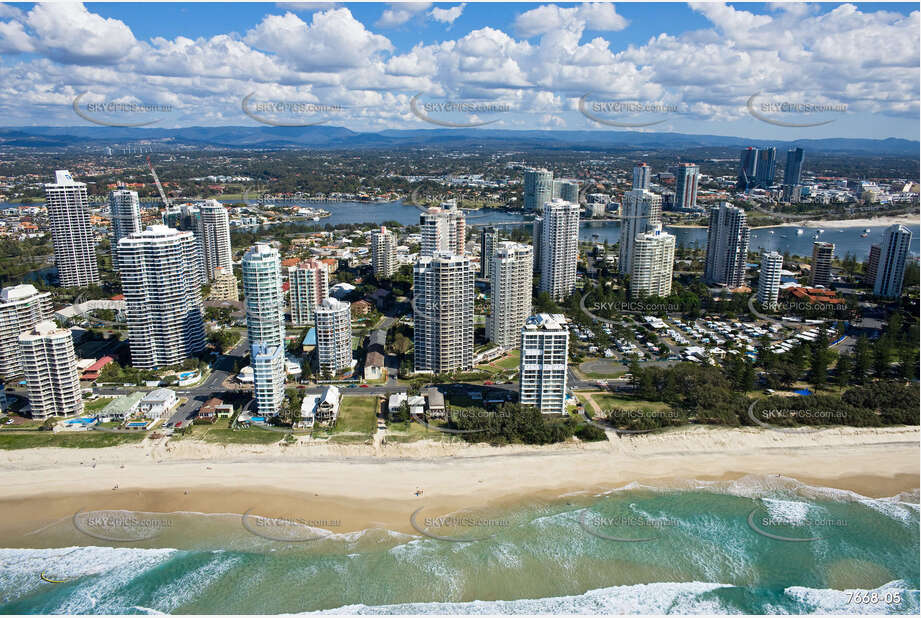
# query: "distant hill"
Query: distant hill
331,137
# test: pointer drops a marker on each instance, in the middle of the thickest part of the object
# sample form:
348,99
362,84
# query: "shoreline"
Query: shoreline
47,486
830,223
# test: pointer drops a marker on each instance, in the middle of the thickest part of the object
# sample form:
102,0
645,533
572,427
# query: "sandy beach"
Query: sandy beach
832,224
363,487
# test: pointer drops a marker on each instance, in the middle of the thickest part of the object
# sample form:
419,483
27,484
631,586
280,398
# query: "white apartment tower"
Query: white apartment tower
653,261
268,364
544,354
769,278
21,308
162,296
443,229
641,175
383,253
727,246
509,293
538,188
443,313
559,250
263,297
71,232
686,187
641,212
309,286
49,365
124,217
822,255
566,189
334,336
214,237
893,253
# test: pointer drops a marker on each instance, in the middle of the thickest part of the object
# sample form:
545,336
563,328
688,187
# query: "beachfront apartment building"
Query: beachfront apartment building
489,236
443,229
213,234
268,364
640,212
728,237
442,302
334,336
263,296
124,219
224,286
769,278
686,187
71,232
163,303
309,285
893,254
538,189
49,366
559,248
21,308
510,293
544,356
565,189
822,255
652,264
383,253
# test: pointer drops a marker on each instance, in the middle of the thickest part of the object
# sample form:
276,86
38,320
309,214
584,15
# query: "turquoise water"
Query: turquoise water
706,548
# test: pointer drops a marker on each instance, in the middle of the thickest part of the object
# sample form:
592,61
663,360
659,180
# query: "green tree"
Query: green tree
862,360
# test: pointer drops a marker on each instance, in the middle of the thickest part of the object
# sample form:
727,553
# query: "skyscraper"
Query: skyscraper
641,175
794,168
489,237
769,278
309,286
727,246
263,296
224,286
822,255
653,261
640,212
49,366
443,229
686,186
566,189
748,167
871,266
71,232
162,296
891,270
334,336
559,248
544,355
538,188
383,253
268,364
443,313
124,218
509,293
214,237
767,166
21,308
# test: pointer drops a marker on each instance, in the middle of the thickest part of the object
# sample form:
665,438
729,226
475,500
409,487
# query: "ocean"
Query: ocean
757,545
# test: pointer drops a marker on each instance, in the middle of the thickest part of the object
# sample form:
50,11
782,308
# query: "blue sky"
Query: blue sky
686,68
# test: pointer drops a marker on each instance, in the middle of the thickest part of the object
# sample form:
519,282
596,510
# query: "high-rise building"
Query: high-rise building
71,232
537,234
162,297
641,176
21,308
822,255
686,187
767,167
792,194
769,278
748,167
893,253
794,168
443,229
640,212
224,286
653,261
334,336
544,355
871,266
538,188
442,313
488,239
383,253
124,218
509,293
566,189
263,296
559,248
309,286
268,364
728,236
49,365
213,233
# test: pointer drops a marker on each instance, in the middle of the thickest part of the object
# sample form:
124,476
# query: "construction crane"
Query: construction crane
166,202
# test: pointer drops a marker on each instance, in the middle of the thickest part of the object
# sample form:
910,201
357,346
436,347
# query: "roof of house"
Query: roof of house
159,395
435,397
374,359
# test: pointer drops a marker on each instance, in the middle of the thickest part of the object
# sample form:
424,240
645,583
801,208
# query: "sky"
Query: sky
766,71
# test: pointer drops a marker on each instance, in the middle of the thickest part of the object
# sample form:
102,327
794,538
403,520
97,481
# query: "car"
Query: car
364,386
488,383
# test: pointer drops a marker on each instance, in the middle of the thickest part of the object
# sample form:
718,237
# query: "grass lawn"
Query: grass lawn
357,415
87,439
489,369
97,404
412,432
252,435
609,402
510,361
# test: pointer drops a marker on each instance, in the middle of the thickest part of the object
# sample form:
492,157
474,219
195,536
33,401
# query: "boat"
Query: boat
316,218
771,232
866,230
799,232
864,235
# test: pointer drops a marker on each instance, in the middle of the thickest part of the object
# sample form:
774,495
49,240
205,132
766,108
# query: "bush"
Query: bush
591,433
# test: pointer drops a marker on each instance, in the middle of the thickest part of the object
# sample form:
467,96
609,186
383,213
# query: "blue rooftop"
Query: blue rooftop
311,337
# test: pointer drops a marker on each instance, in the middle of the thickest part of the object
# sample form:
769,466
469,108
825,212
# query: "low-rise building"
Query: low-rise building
435,402
157,403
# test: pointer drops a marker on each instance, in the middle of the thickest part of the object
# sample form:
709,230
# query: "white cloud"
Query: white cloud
8,10
447,16
307,7
69,33
14,39
549,18
401,12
